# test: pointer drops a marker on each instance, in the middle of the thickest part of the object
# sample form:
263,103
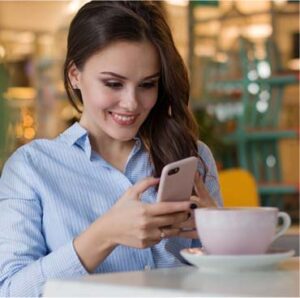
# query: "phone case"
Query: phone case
177,180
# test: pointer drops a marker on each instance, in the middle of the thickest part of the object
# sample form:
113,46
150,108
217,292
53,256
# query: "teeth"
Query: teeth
124,118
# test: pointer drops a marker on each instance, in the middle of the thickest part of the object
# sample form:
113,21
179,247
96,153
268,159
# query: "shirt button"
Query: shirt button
147,267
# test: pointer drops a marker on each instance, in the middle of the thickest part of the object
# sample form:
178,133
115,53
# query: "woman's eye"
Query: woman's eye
148,85
113,85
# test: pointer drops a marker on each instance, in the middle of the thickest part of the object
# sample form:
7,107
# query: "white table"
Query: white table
184,281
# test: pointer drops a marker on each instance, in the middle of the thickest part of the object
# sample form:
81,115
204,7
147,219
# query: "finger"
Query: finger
203,202
175,219
153,242
136,190
163,233
163,208
203,198
189,234
188,224
200,188
197,201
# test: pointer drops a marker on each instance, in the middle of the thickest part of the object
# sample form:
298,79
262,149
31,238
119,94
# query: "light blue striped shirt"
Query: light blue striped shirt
51,191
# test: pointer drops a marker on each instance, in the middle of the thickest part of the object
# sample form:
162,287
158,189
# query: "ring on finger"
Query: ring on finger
162,234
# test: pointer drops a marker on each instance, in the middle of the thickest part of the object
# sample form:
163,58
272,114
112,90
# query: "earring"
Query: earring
75,86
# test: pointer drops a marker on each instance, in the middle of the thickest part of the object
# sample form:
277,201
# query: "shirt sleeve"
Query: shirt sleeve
212,178
25,262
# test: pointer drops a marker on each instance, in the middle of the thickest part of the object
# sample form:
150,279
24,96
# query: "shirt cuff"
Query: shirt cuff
196,243
63,263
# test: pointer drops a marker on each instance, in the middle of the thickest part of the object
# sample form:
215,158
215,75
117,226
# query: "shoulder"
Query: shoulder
34,148
204,152
33,152
207,159
209,168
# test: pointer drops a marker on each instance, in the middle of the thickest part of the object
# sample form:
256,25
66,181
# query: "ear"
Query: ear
74,76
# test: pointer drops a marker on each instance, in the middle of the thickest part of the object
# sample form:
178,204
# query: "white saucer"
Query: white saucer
206,262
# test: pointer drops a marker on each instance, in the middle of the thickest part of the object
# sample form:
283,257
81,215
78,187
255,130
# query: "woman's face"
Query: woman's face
119,87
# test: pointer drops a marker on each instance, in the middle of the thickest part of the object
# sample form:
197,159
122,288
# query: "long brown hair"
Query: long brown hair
169,133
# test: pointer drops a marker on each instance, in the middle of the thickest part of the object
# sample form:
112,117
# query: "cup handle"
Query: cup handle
286,223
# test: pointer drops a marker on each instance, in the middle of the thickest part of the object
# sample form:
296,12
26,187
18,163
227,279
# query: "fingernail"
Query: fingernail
193,206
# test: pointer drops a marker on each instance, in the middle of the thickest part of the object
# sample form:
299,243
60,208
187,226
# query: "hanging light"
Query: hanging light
253,88
258,31
264,69
178,2
271,161
262,106
2,52
280,3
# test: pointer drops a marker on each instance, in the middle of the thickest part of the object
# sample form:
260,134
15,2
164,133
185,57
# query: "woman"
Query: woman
85,202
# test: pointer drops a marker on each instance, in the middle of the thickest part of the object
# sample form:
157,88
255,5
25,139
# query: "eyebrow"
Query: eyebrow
124,78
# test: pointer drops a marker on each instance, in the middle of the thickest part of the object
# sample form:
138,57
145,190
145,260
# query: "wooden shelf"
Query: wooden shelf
249,117
280,79
261,135
277,188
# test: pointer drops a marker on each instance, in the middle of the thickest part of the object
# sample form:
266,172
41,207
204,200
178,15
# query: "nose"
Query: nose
129,100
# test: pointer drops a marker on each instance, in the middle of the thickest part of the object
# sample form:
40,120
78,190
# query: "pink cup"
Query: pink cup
230,231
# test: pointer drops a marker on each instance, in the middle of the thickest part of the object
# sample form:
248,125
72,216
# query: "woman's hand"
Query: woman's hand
130,222
141,225
202,200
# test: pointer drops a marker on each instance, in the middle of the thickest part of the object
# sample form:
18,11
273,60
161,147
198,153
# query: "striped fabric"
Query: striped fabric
52,190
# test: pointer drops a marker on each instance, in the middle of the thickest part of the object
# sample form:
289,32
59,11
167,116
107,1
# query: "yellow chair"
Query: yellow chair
238,188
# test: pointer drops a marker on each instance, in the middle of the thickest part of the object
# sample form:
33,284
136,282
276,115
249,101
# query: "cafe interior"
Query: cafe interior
243,62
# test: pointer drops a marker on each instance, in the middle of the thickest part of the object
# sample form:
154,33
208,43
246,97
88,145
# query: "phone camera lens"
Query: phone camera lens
173,171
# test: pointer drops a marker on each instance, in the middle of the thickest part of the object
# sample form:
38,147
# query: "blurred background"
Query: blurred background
243,59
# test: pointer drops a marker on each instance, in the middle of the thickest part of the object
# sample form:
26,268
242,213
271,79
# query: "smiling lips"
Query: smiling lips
124,120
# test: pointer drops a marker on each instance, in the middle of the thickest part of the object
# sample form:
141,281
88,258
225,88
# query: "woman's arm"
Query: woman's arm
25,262
131,223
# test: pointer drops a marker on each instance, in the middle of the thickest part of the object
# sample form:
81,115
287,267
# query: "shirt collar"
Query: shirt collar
77,135
138,144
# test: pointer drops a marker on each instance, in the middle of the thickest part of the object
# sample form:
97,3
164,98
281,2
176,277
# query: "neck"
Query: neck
114,151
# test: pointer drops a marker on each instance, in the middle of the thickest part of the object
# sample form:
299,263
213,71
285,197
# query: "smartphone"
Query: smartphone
177,180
